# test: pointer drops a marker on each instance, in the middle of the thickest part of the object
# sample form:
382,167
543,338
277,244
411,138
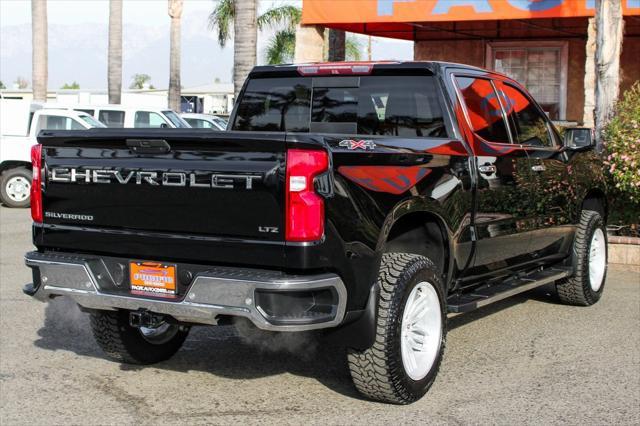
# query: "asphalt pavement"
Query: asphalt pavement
526,360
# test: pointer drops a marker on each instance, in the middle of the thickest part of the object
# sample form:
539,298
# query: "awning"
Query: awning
405,18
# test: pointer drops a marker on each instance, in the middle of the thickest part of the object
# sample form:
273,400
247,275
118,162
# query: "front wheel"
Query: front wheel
15,187
403,363
132,345
585,287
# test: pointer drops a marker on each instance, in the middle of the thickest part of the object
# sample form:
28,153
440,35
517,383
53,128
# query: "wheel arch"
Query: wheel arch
6,165
595,200
420,231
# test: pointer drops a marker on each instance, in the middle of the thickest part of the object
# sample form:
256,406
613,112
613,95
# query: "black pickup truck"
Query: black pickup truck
371,200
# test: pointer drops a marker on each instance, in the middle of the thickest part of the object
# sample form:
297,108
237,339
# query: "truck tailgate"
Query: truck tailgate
179,183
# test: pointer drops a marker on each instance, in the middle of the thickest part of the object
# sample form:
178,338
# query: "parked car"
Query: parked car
15,150
119,116
369,200
205,121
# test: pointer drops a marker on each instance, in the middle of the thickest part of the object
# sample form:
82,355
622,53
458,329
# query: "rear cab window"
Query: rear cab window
386,105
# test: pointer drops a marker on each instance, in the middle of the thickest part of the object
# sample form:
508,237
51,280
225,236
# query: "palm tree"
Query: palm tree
114,60
139,81
337,45
281,47
352,49
245,29
39,75
175,12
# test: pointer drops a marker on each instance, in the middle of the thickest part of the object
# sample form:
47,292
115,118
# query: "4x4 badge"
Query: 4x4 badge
359,144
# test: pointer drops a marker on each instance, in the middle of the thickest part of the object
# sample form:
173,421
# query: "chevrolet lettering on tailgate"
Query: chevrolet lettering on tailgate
142,177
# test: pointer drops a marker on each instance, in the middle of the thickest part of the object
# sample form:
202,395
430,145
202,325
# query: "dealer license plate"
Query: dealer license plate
152,278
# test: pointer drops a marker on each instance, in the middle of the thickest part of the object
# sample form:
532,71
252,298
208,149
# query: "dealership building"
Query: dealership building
548,45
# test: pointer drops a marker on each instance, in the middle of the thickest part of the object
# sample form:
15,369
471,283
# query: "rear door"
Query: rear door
503,211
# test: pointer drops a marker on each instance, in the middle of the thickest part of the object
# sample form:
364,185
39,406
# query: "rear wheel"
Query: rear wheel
585,287
15,187
410,336
131,345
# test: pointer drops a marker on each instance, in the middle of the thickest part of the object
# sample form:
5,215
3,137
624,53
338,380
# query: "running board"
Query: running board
493,293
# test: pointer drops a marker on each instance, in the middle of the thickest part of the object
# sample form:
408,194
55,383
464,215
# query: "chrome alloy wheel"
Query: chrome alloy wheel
160,334
18,188
597,259
421,331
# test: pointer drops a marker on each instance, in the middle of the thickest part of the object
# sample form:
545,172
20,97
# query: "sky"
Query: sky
78,31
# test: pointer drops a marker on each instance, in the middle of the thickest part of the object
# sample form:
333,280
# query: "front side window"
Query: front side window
199,123
91,121
112,118
149,120
483,108
531,125
177,121
406,106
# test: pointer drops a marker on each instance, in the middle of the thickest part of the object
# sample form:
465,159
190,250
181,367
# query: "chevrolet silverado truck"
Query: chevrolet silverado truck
370,200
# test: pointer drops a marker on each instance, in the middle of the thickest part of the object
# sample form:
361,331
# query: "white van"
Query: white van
126,116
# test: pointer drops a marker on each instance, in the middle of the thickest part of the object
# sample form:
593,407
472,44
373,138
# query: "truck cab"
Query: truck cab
15,146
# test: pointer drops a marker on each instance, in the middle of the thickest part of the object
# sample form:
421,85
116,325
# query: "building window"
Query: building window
540,67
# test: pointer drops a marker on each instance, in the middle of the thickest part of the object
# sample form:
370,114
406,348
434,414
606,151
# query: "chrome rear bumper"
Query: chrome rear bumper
218,291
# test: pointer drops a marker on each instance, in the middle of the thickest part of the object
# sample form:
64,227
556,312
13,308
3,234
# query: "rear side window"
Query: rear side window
56,122
112,118
531,125
406,106
483,108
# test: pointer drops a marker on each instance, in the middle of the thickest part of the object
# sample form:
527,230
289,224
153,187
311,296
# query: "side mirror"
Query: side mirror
163,126
579,138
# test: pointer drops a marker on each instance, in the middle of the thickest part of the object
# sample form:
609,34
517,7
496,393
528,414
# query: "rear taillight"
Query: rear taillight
36,183
305,208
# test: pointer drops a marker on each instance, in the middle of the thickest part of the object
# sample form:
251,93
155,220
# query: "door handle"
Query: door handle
538,168
487,169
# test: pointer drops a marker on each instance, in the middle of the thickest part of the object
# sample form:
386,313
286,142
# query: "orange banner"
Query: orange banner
371,11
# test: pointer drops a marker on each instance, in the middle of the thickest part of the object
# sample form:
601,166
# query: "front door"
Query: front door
503,211
553,198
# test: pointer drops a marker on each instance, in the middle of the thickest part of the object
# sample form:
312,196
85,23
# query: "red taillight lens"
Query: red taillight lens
36,183
305,208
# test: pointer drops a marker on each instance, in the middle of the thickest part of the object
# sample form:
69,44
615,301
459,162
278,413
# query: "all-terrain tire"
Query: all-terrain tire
378,372
17,175
124,343
579,290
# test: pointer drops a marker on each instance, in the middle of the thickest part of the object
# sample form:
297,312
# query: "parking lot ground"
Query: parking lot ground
527,360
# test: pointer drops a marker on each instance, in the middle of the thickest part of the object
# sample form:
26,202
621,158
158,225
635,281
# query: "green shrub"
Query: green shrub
622,151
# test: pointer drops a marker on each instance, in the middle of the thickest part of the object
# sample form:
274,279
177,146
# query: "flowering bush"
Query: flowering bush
622,161
622,145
